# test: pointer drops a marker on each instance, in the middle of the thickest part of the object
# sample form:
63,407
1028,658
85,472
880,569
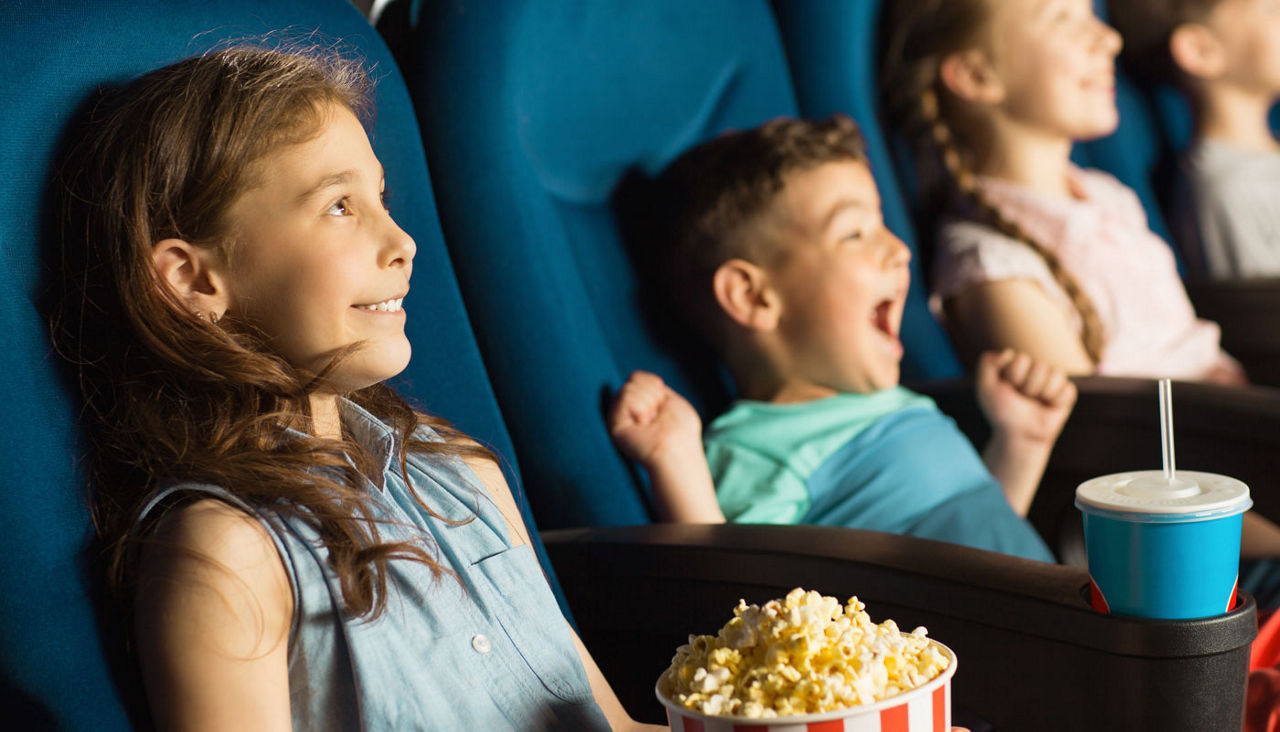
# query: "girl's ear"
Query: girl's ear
742,289
970,76
191,273
1197,51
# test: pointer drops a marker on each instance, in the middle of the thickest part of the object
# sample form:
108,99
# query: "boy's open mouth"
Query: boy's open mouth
882,317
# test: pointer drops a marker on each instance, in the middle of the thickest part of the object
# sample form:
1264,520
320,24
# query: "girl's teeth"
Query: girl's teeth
384,306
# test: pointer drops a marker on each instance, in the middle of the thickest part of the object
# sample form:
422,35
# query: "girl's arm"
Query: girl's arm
213,609
1259,538
1016,314
659,429
491,475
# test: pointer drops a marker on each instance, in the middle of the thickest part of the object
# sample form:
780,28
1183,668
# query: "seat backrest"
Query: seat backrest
831,50
62,663
534,111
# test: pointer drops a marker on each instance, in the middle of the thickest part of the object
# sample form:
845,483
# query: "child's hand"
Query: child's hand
650,422
1025,399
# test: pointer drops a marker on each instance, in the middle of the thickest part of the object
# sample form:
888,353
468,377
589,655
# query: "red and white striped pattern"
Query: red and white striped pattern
930,712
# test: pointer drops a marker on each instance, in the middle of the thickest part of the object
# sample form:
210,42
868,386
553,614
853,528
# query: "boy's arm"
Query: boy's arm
659,429
1027,403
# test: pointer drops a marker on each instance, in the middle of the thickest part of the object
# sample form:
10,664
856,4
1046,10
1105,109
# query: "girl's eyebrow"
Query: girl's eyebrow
337,179
1043,8
328,181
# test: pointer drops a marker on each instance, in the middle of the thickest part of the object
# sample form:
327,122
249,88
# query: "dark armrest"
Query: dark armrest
1032,653
1116,427
1249,313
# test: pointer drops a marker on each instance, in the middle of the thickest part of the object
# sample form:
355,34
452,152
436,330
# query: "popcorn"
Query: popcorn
803,654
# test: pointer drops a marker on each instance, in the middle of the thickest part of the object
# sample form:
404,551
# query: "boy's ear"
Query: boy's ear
1197,51
970,76
743,292
191,274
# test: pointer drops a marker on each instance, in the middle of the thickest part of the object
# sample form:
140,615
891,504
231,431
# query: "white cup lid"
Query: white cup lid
1148,492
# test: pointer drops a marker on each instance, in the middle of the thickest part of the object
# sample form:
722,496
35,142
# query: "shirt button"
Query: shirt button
481,643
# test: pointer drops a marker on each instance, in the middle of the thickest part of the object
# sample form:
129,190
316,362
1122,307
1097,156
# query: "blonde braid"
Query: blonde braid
1092,333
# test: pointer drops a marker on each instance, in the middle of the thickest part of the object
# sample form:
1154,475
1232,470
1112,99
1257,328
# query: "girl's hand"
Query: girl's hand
650,422
1025,400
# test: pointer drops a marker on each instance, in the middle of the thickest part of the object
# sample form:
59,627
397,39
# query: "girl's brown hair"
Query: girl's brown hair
916,36
170,397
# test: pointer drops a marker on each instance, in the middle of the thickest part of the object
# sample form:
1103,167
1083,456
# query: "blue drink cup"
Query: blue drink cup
1163,550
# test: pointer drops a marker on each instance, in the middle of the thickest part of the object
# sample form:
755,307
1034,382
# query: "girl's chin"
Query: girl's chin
1102,128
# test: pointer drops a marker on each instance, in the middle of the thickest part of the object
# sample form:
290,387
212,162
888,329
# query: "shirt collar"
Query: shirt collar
371,433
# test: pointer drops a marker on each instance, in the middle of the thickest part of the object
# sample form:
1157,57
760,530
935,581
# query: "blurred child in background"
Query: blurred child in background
1225,56
1034,253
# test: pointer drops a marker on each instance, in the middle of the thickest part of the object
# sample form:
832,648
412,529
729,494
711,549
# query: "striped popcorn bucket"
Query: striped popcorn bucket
926,708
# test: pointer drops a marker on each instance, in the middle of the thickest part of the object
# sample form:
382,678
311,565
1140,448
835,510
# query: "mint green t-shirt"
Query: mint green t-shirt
886,461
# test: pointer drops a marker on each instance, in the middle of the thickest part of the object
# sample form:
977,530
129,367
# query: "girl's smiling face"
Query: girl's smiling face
1055,61
316,263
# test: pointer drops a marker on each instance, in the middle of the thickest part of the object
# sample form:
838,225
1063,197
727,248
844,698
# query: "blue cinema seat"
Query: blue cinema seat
62,664
533,113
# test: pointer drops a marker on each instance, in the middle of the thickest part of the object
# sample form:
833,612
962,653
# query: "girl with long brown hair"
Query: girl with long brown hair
1034,253
298,546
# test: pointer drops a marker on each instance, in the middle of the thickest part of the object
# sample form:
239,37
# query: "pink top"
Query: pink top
1101,237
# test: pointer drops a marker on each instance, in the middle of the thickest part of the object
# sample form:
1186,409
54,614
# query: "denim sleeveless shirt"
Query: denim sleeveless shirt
488,650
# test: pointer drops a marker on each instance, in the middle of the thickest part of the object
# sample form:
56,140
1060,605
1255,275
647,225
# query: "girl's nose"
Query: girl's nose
398,248
1108,40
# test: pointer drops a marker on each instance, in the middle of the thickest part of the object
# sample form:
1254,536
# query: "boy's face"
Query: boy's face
842,280
317,263
1249,34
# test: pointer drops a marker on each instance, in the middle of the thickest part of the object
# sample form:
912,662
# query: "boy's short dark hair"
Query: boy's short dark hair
710,200
1146,27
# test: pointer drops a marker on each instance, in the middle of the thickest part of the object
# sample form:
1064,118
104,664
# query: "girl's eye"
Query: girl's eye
854,236
382,196
338,208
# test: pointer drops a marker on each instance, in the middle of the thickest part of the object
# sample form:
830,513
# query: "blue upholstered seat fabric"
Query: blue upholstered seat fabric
55,660
533,111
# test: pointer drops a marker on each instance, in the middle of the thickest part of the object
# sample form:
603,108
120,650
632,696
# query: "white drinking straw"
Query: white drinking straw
1166,427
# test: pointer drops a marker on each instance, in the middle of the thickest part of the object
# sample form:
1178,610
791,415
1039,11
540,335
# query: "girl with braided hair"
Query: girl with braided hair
1034,253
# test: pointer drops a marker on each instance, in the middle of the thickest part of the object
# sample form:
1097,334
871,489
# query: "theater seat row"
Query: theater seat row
563,99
